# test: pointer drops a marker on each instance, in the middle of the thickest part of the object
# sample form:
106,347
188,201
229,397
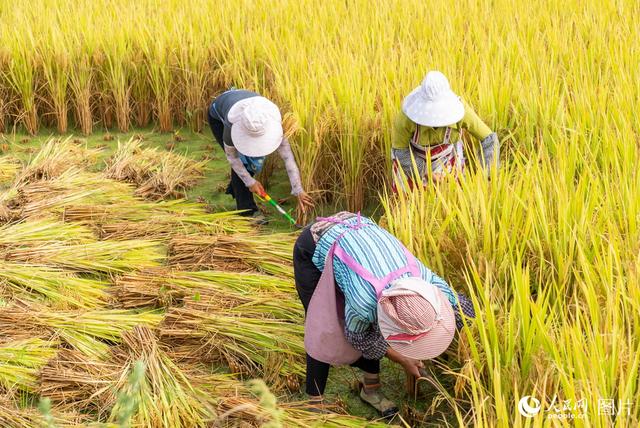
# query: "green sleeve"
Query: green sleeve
474,124
403,129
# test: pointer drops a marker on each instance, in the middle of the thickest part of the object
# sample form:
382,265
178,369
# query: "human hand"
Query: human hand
411,366
257,189
305,202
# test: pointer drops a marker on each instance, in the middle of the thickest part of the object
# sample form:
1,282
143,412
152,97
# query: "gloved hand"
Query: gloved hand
490,153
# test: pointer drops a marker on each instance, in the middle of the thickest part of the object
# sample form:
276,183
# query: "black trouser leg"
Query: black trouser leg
237,189
307,276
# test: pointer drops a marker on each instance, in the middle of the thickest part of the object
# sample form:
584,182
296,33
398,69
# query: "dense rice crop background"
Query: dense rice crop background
550,248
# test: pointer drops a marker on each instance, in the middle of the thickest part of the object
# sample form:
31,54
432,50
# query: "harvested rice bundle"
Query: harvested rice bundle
55,287
251,404
14,416
157,174
41,198
166,397
57,156
9,169
244,293
89,332
269,348
97,256
271,254
159,220
43,230
73,379
21,360
244,410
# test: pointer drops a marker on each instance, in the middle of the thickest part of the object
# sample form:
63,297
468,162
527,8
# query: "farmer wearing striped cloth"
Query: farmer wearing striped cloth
428,131
366,296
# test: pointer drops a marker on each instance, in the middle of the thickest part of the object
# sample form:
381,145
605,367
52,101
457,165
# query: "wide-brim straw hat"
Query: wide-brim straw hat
256,128
433,103
416,319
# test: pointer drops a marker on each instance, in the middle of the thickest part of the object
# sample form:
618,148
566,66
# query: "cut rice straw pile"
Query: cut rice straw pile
156,174
271,254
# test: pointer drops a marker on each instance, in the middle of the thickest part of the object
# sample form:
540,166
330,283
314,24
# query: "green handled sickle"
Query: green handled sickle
281,210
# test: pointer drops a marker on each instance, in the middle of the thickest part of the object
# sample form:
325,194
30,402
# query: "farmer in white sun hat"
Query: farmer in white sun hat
366,296
248,127
428,131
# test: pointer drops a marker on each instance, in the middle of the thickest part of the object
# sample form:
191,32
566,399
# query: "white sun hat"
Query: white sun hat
256,126
433,103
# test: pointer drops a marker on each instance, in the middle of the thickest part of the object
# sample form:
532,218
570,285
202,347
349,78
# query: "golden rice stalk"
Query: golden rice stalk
270,348
73,380
234,293
53,286
242,404
21,360
270,254
57,156
12,415
158,220
43,231
157,174
90,332
97,256
167,397
9,169
44,197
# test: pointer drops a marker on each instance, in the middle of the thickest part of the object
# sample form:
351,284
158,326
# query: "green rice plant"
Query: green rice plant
21,360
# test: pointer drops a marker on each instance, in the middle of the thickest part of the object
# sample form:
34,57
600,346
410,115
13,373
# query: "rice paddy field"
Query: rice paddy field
130,295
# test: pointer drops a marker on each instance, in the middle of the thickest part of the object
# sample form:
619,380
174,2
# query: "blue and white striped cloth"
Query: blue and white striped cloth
377,251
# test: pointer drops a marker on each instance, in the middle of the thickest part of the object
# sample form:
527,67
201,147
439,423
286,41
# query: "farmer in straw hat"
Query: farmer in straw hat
366,296
248,127
428,131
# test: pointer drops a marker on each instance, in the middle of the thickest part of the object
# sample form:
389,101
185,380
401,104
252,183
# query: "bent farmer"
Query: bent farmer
428,130
365,297
248,127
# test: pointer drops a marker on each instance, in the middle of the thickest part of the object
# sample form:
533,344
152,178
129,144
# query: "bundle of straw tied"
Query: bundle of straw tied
120,307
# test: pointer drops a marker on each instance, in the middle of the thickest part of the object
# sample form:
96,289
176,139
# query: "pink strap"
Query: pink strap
378,283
